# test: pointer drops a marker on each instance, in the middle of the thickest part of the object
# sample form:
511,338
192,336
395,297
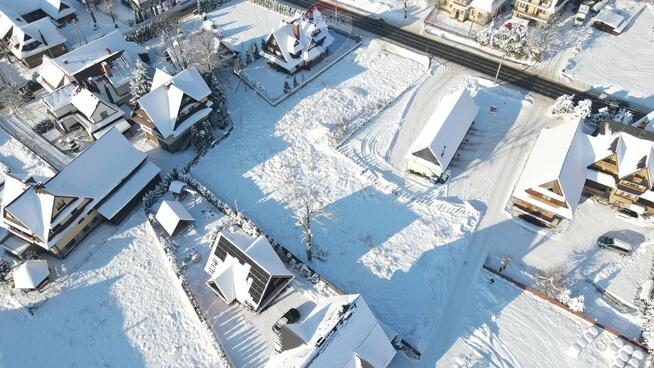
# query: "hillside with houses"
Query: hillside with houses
268,183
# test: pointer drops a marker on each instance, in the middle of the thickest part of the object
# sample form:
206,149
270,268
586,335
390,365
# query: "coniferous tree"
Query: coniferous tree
139,85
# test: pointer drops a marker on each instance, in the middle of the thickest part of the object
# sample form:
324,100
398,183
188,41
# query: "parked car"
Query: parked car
616,245
582,13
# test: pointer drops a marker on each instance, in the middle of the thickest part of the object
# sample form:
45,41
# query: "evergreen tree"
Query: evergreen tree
248,57
255,51
219,117
139,85
263,44
295,83
287,88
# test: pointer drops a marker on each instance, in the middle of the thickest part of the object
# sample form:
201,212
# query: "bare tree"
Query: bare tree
552,281
206,52
309,213
172,36
304,201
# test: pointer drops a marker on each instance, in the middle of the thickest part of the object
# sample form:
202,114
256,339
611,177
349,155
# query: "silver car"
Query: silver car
616,245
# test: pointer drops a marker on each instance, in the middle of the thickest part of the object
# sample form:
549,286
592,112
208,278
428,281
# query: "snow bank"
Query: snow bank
120,308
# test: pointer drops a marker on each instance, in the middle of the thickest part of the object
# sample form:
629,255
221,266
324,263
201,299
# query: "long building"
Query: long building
102,183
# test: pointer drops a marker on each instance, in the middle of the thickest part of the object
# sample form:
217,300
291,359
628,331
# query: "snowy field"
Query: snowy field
371,241
18,158
120,308
248,337
623,70
507,327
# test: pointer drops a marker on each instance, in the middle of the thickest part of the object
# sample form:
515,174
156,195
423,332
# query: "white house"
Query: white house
340,331
171,214
103,66
173,106
298,43
74,106
478,11
246,270
538,11
433,150
103,182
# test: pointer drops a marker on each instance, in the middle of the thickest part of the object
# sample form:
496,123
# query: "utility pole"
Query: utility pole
499,66
406,8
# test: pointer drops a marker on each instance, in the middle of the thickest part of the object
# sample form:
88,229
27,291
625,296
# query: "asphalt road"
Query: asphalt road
508,74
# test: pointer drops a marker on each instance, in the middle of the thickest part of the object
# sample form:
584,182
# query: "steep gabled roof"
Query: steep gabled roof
446,128
348,332
56,9
162,104
171,213
560,155
91,177
95,52
35,32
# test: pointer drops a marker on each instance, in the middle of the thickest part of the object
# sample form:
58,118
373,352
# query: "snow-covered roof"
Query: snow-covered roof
163,103
246,269
59,98
258,250
558,156
25,36
93,176
611,18
489,6
176,186
445,129
170,214
30,274
311,40
56,9
359,339
95,52
553,6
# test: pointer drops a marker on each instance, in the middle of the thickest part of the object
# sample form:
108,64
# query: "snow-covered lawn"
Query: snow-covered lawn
505,326
618,64
397,253
120,308
16,157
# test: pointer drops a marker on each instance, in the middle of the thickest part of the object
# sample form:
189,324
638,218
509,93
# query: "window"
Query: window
85,229
60,204
103,114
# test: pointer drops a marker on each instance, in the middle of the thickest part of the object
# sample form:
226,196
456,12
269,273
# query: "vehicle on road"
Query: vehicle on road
613,244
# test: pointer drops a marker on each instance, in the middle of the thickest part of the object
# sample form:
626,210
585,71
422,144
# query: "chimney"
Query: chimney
167,85
65,61
43,38
106,69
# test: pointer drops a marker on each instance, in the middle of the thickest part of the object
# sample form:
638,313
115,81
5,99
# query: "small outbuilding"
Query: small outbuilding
246,270
31,274
171,214
439,140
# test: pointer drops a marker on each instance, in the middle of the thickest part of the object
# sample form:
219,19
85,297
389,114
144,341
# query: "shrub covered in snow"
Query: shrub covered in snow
565,104
553,284
202,136
219,117
43,126
275,5
512,40
5,269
